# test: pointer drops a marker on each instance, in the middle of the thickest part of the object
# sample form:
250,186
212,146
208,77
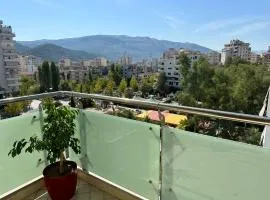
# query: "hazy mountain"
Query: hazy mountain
53,52
113,46
21,48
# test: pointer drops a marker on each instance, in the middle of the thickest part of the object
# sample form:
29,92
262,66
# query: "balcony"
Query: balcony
6,59
128,159
12,78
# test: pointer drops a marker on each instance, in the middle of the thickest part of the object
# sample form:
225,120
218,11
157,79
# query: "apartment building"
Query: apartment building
9,65
255,58
97,62
213,57
29,64
168,65
236,48
266,57
124,60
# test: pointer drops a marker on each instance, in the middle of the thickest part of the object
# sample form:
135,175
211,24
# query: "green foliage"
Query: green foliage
237,87
72,102
161,86
65,85
26,84
123,85
126,114
147,87
100,85
87,103
44,76
185,65
115,74
14,109
58,133
109,88
128,93
134,84
55,76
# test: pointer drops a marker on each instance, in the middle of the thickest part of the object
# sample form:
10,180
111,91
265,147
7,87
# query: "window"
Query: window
176,83
169,73
169,68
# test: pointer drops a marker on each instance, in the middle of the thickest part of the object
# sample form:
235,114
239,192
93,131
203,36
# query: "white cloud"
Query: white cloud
251,27
220,24
171,21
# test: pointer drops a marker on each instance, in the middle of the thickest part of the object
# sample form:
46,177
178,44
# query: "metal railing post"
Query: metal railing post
41,121
83,140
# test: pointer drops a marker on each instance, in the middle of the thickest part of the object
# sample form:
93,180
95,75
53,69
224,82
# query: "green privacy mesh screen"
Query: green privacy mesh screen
207,168
23,168
123,151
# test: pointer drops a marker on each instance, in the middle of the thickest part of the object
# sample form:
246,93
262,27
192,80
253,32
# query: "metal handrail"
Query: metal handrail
232,116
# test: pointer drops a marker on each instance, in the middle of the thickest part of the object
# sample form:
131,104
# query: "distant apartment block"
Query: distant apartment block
236,48
29,64
9,65
266,57
168,65
64,62
213,57
255,58
125,60
192,55
97,62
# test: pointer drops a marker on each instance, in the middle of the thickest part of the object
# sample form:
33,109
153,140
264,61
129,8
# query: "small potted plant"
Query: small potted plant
57,135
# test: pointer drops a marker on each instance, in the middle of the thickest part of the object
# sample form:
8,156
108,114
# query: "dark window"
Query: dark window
169,73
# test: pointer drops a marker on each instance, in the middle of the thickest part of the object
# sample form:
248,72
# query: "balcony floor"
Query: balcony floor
84,191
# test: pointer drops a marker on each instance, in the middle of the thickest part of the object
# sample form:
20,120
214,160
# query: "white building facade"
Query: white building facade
213,57
9,65
236,48
29,64
168,65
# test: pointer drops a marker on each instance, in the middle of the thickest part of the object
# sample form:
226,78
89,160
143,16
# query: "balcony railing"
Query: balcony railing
154,161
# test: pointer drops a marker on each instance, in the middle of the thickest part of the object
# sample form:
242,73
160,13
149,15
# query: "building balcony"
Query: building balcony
12,78
128,159
5,59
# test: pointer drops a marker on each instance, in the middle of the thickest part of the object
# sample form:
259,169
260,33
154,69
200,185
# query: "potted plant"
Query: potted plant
58,133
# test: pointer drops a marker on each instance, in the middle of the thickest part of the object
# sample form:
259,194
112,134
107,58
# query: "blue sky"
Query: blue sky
210,23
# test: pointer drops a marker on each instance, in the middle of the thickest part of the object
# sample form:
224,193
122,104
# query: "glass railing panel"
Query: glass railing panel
124,151
201,167
16,171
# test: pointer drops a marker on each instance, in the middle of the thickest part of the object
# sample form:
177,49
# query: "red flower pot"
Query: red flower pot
61,187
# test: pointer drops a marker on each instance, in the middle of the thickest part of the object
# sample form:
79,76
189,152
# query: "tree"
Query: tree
14,109
65,85
90,76
109,88
161,84
128,93
100,85
134,84
46,75
115,74
55,76
185,65
123,85
58,134
26,84
72,102
146,87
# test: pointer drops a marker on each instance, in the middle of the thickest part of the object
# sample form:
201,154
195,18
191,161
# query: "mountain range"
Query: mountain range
109,46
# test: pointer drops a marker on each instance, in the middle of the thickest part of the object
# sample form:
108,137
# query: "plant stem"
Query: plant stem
62,159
